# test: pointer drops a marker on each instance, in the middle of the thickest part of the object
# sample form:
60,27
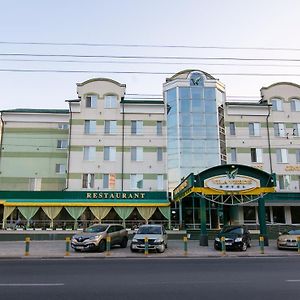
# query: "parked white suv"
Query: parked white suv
157,238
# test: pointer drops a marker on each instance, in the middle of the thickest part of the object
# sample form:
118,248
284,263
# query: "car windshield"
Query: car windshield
237,230
294,232
96,228
149,230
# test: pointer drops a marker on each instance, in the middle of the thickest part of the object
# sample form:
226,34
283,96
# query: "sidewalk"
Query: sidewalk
57,249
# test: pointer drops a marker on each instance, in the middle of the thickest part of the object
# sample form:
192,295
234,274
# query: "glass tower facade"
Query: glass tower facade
195,124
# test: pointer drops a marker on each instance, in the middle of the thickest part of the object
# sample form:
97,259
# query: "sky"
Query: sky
190,23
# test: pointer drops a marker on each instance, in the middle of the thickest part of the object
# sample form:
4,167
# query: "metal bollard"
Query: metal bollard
68,246
146,246
298,241
27,243
185,246
108,241
223,246
262,244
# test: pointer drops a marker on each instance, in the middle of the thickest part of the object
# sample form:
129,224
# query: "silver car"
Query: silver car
157,238
288,240
95,237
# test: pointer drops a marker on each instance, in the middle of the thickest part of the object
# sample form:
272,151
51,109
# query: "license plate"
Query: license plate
79,247
291,244
228,244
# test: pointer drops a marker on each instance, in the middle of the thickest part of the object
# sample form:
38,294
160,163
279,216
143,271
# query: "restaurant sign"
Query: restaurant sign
232,182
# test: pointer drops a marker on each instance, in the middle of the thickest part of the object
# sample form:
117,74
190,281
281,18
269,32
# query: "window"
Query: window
60,169
256,155
296,129
110,101
63,126
298,156
254,129
62,144
159,154
282,155
35,184
137,153
136,127
89,153
232,128
278,214
295,214
159,127
279,129
89,126
109,153
276,104
136,181
249,214
284,182
295,105
109,181
110,127
233,156
91,101
88,181
160,182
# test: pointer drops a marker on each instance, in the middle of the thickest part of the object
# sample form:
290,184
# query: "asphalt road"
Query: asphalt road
146,278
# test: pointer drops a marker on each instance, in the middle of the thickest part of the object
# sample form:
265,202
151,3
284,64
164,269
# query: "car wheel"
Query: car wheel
124,242
102,246
133,250
244,246
162,249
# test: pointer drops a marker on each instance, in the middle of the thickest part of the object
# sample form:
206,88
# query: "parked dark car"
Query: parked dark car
94,237
236,238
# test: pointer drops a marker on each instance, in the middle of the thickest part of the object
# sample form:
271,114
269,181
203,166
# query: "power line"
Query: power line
150,46
151,57
141,72
147,62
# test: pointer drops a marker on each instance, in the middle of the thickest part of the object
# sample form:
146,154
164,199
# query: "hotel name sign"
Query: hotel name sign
115,195
236,183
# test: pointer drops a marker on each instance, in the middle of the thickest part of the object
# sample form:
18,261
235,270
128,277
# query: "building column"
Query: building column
262,219
180,215
287,214
203,232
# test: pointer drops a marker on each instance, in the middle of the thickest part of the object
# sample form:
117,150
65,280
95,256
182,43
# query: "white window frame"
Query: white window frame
279,129
107,181
90,126
258,155
89,153
109,153
91,101
63,126
159,154
137,153
88,181
298,156
110,101
233,154
159,128
62,144
254,129
296,129
232,128
136,181
160,182
60,168
282,155
295,105
277,104
137,127
110,126
284,182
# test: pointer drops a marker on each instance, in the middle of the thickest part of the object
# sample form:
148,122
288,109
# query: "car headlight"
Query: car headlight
238,239
134,240
95,237
159,240
217,239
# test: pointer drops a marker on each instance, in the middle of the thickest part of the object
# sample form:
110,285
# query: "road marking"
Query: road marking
31,284
293,280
